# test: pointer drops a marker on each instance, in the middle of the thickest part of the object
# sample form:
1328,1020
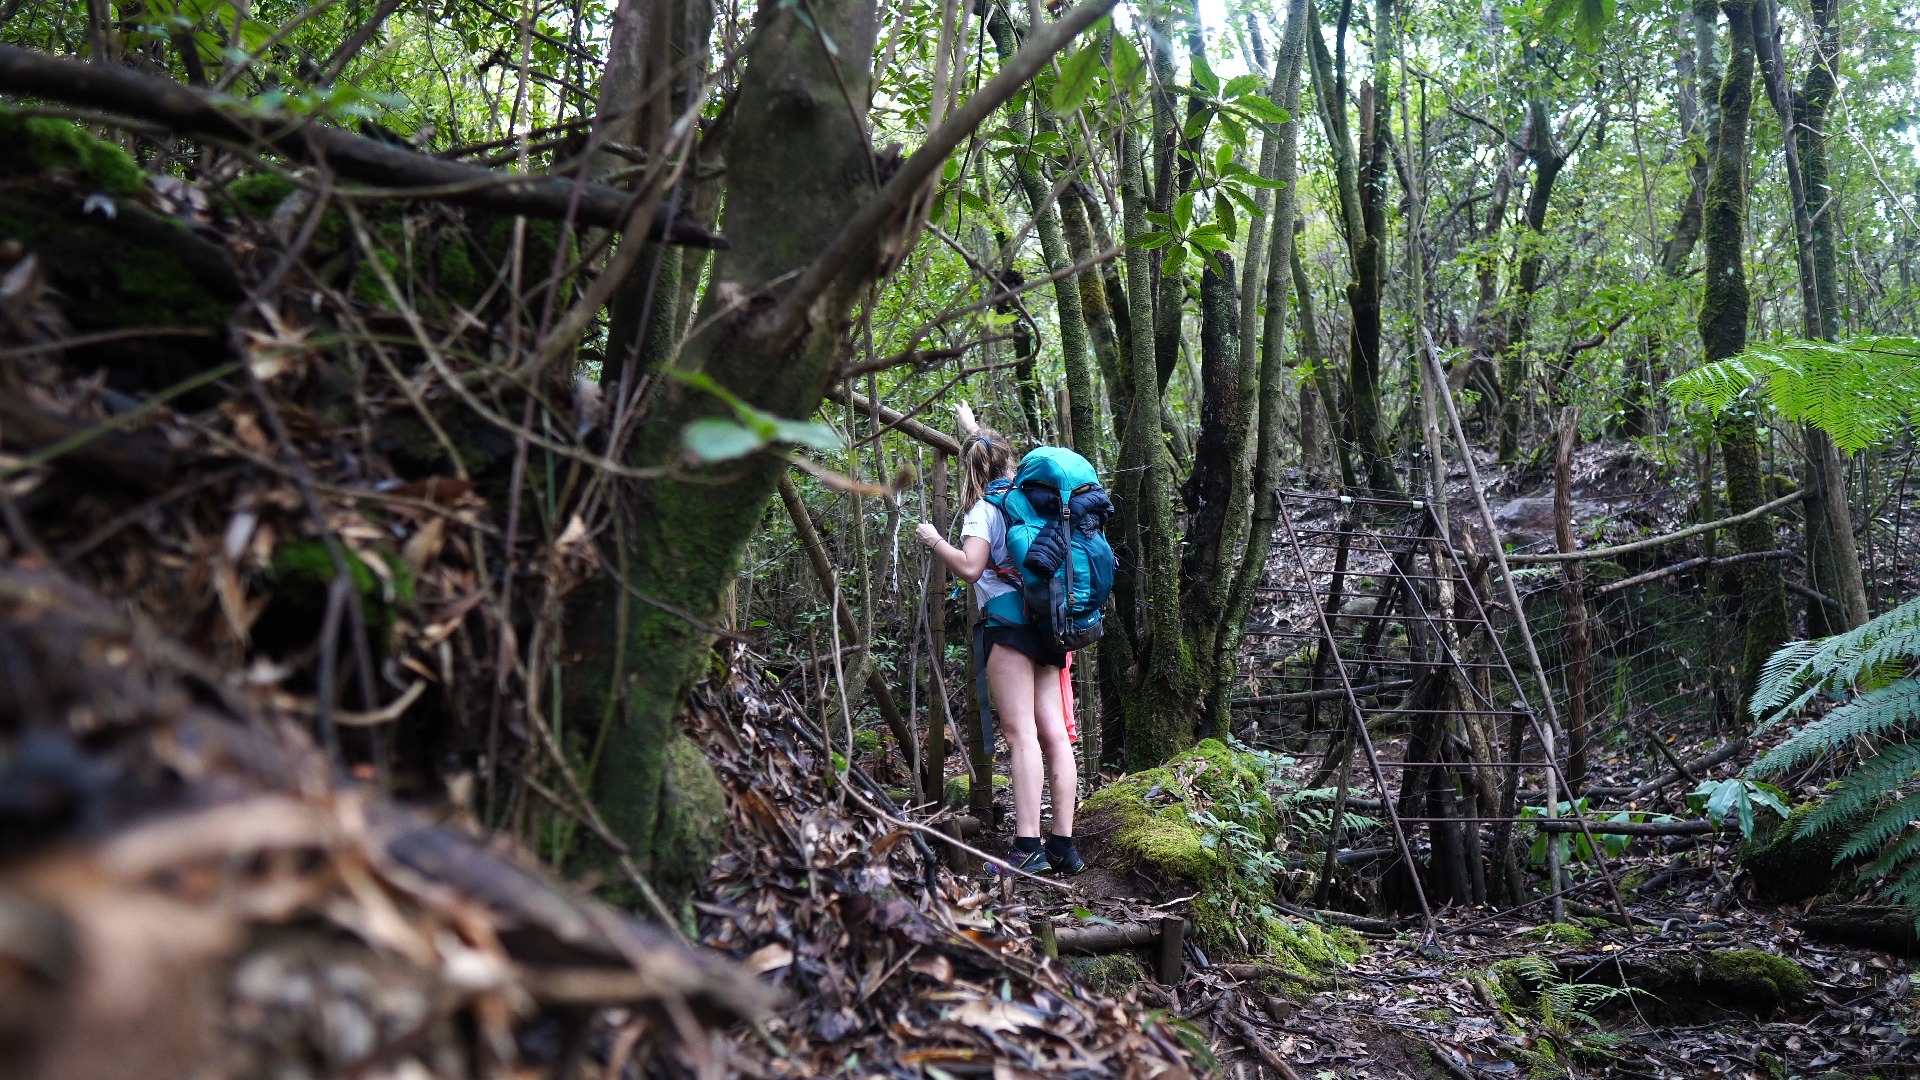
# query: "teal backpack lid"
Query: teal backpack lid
1058,467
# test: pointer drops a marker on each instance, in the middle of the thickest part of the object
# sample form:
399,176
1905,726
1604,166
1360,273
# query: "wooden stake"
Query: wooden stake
1173,939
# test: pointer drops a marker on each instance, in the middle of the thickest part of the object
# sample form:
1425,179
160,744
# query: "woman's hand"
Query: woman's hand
963,413
928,535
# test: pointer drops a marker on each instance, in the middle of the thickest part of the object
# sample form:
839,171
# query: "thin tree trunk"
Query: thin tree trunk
1723,333
1829,525
1320,390
1251,571
1160,711
1548,159
1573,599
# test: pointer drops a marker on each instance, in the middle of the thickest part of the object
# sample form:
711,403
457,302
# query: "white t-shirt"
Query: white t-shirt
985,520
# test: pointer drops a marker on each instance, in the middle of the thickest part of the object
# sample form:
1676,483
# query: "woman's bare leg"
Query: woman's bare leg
1050,728
1010,675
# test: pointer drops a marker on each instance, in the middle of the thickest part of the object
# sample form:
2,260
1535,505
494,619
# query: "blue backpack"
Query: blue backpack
1058,555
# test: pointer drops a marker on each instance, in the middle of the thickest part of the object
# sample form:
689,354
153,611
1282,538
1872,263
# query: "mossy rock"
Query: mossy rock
63,150
1744,979
1568,934
1143,817
1787,867
1753,976
959,789
1113,974
1152,821
259,195
1147,815
1308,949
868,742
116,266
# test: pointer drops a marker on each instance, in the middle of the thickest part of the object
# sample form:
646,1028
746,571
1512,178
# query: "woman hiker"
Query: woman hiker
1023,672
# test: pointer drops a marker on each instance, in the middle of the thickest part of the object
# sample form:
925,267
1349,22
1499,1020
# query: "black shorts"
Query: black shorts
1026,641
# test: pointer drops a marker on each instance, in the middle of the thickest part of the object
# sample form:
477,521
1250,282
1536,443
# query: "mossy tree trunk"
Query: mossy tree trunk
1818,204
1698,66
798,169
1157,688
1360,180
1270,388
1723,333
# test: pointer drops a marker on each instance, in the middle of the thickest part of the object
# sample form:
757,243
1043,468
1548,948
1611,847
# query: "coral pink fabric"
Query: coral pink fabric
1066,699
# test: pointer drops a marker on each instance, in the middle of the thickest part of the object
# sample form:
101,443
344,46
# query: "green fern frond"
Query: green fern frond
1873,664
1858,391
1905,889
1782,674
1876,712
1896,854
1865,655
1866,785
1882,827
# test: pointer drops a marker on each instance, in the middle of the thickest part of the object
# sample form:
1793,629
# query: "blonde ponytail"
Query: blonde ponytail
988,456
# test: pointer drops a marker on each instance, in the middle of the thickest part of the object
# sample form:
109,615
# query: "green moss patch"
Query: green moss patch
960,789
1113,974
1753,976
693,812
1205,822
302,571
1568,934
44,145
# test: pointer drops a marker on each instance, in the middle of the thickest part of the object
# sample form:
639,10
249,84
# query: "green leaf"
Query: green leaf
1176,258
1240,86
1209,239
1183,210
1149,241
714,438
1223,159
1196,123
1126,63
1203,76
1232,129
811,434
1223,213
1262,109
1076,79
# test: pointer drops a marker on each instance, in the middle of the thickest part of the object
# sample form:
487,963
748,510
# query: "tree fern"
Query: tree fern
1872,669
1862,657
1888,710
1863,787
1858,391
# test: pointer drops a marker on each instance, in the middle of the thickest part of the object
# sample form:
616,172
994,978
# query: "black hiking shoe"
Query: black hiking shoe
1029,862
1064,857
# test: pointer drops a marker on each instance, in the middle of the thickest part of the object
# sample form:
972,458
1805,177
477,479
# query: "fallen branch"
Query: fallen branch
897,420
410,175
1626,828
1304,696
1096,940
1259,1046
1695,767
1704,562
1657,541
